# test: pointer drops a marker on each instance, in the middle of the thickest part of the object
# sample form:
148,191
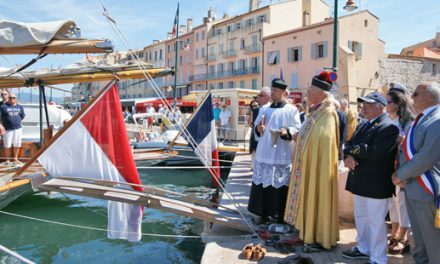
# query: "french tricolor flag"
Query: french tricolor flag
96,146
201,128
176,22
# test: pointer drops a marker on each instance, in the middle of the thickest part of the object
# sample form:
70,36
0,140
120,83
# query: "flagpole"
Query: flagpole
176,57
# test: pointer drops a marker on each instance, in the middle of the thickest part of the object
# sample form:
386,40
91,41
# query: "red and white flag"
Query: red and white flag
96,146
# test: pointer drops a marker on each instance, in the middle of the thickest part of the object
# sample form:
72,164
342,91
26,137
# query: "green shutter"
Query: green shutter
290,55
325,44
300,53
360,51
350,45
294,80
313,49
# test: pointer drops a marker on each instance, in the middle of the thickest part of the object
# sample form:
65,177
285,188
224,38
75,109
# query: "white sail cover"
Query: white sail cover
18,34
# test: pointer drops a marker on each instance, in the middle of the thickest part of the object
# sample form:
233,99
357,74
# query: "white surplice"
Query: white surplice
273,163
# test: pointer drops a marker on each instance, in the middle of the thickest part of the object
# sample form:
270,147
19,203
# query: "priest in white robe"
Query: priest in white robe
275,126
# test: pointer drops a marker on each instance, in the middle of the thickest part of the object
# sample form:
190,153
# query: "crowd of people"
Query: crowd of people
173,114
390,149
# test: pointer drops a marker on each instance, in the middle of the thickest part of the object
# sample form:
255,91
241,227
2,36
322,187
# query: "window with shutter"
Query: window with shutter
289,55
314,51
254,84
320,50
325,49
273,57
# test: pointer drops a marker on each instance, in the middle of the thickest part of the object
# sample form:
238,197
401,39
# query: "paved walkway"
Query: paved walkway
227,250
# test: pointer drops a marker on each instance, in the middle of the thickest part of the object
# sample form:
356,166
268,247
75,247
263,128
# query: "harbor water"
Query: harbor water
51,242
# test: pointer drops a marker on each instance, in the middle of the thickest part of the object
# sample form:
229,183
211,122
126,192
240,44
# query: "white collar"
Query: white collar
429,109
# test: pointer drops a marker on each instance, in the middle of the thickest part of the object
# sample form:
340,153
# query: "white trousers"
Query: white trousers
12,138
369,215
397,207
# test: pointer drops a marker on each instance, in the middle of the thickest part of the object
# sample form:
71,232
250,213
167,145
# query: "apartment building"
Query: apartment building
249,50
185,54
235,45
304,52
155,56
428,49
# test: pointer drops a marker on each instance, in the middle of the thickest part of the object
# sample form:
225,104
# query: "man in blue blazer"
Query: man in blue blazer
419,159
370,155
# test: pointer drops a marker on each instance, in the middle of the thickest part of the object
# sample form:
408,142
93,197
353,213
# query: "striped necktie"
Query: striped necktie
417,120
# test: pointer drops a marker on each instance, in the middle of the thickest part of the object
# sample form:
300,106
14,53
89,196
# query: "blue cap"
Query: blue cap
374,97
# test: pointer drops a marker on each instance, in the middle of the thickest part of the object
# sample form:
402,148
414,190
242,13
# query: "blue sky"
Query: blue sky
403,22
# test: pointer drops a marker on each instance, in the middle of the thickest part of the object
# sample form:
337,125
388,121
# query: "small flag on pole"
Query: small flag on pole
201,131
176,22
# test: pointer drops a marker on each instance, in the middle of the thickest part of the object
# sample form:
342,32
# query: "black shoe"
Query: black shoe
354,253
312,248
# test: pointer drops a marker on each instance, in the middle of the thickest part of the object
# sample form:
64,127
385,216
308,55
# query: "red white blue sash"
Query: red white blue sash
425,179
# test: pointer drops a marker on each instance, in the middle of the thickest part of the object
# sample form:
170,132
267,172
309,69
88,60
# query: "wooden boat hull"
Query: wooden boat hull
11,195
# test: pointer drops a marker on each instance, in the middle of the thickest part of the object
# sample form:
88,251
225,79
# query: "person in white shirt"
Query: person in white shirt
177,115
225,123
150,119
163,111
171,115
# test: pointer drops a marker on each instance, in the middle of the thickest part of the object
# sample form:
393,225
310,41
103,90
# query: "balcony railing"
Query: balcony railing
225,74
242,71
197,77
253,48
212,57
230,53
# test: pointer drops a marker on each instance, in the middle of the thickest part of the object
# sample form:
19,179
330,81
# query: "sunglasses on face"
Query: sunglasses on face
12,97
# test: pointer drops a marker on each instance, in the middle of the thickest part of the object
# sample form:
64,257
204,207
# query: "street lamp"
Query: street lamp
349,6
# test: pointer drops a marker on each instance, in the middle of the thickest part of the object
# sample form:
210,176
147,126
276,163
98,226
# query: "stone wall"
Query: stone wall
408,71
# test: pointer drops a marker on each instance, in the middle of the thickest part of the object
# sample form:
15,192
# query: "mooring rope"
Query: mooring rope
107,230
191,142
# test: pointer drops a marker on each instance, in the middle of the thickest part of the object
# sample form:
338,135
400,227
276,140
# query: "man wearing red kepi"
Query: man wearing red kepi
312,204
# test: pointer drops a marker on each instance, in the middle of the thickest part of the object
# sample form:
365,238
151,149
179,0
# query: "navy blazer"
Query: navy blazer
374,146
342,131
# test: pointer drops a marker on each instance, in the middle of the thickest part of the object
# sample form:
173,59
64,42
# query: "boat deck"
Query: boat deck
227,250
